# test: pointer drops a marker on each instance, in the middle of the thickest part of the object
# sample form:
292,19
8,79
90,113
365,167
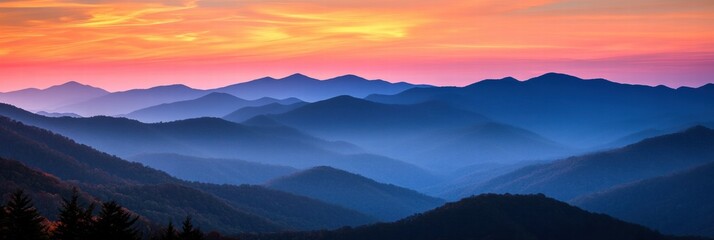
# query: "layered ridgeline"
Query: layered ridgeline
53,97
490,217
154,194
384,201
210,105
311,89
568,109
218,138
576,176
431,134
681,203
85,100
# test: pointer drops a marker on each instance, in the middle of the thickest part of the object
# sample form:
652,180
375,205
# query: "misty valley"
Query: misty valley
550,157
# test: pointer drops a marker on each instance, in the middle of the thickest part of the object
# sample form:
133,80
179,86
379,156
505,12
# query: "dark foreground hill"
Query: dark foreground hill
491,217
681,203
384,201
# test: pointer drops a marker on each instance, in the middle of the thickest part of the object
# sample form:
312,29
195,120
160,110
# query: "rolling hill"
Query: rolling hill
384,201
681,203
572,177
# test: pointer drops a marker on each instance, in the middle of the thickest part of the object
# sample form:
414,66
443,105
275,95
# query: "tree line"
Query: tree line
20,220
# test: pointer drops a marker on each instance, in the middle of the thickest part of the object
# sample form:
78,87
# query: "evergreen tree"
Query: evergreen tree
75,221
22,221
188,232
169,233
3,223
115,223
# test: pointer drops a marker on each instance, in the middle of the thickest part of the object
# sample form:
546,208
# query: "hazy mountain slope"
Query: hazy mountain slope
212,170
492,217
431,134
52,97
371,124
584,113
217,138
310,89
481,143
125,102
246,113
568,178
682,203
387,202
42,149
108,177
210,105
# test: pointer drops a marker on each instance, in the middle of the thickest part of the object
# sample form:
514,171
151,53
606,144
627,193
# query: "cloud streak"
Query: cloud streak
405,35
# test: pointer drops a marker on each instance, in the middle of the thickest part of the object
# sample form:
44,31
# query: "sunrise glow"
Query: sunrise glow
208,43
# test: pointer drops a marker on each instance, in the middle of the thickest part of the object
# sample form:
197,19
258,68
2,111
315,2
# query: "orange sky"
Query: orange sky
207,43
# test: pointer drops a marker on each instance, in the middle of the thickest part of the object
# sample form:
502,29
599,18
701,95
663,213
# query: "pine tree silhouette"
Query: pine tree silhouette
22,221
115,223
3,223
169,233
188,232
75,221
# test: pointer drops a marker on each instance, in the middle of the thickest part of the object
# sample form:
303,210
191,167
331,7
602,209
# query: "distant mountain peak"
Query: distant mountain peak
73,85
297,77
555,77
348,77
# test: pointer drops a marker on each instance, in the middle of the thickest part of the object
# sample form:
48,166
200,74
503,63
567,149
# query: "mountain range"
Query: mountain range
311,89
564,108
84,100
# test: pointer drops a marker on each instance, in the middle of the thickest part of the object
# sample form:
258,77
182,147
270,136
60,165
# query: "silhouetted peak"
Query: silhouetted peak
297,77
487,81
554,78
170,87
72,85
348,78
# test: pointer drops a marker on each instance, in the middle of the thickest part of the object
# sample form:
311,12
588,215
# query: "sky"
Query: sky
126,44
